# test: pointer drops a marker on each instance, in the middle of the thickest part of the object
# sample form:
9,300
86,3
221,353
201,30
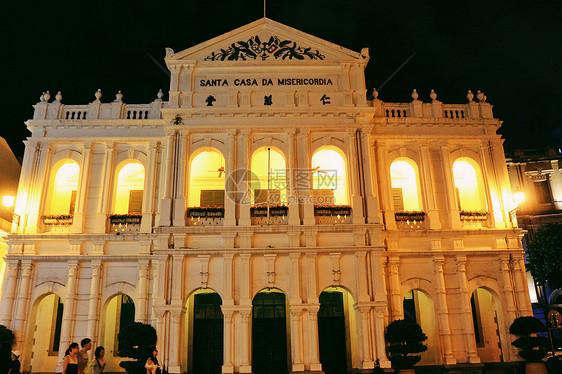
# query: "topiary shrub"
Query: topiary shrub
6,342
136,341
531,348
404,338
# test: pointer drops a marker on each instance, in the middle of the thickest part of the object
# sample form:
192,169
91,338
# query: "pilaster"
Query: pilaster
467,324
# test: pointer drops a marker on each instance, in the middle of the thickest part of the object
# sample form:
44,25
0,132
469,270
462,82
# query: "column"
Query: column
105,196
296,338
292,189
228,261
142,293
22,305
314,352
69,307
83,186
166,181
245,185
443,311
158,314
245,340
149,187
467,324
9,292
295,279
37,188
361,271
356,199
384,184
228,343
369,173
396,301
496,217
303,178
508,299
454,218
500,169
384,362
93,304
363,331
522,291
23,196
428,194
230,187
180,165
175,342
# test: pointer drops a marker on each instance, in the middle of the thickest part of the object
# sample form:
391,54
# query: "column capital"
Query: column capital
461,263
438,262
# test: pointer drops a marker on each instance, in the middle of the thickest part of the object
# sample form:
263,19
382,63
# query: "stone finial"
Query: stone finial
119,96
42,97
480,96
433,95
98,94
415,94
47,96
470,96
159,95
375,94
58,97
169,52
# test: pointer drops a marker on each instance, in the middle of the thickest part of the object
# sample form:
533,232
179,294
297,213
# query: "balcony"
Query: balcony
269,215
413,220
205,216
60,223
332,214
473,219
123,223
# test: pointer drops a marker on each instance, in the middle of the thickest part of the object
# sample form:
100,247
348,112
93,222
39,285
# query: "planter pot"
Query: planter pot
535,368
406,371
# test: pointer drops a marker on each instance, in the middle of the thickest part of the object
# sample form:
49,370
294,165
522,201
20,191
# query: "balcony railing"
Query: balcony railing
60,223
205,216
410,220
332,214
473,219
123,223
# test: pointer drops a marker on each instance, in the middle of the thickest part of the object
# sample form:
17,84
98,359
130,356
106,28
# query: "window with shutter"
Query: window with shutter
543,192
212,198
324,196
267,196
397,199
135,201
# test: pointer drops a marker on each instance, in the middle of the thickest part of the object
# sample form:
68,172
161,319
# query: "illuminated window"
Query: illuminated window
268,167
129,191
469,195
65,185
404,186
329,176
206,180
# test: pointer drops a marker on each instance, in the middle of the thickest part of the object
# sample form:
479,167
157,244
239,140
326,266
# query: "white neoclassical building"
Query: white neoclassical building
267,218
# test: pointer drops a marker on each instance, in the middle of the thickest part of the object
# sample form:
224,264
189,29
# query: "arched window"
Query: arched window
206,179
404,183
64,188
129,190
329,178
119,312
268,167
467,185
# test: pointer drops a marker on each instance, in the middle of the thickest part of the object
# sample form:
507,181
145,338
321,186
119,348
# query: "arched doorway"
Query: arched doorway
486,326
119,312
269,333
418,307
44,334
333,331
205,320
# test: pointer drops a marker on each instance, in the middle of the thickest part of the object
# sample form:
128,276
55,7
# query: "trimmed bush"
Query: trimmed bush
136,341
531,348
404,338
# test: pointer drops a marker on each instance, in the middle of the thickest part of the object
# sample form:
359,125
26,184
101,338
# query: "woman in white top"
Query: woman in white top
152,365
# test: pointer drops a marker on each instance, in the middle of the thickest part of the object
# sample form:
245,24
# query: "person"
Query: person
152,365
16,364
99,360
70,362
82,355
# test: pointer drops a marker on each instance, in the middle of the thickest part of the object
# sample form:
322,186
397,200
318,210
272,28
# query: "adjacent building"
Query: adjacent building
265,218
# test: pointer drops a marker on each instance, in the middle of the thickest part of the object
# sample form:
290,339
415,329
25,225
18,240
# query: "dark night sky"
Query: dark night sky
511,50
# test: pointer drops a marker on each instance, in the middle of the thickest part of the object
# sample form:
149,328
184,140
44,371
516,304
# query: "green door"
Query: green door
269,334
331,333
207,334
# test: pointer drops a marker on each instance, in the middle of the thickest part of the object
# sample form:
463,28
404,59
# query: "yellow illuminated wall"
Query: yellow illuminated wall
268,165
130,177
205,174
65,182
467,182
403,176
329,172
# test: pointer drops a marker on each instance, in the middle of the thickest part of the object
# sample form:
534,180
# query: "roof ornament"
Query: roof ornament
159,95
98,94
470,96
47,96
169,52
118,96
481,97
433,95
42,97
415,95
375,94
58,97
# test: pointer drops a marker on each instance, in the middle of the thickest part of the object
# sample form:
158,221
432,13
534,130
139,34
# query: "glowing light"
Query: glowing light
206,173
518,196
130,178
269,168
65,184
404,185
8,201
329,174
466,183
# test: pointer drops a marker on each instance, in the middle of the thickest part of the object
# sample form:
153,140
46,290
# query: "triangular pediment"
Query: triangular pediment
265,40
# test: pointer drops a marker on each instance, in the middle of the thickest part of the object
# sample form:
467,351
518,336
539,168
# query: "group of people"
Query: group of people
76,360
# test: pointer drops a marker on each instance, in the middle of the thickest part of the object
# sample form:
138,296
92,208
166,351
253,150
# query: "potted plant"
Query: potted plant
278,210
532,348
258,211
136,341
404,338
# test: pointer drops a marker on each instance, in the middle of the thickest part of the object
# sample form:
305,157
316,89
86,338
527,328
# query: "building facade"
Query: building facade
266,218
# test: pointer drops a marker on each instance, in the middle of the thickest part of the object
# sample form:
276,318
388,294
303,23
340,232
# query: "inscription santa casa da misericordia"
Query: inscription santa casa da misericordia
219,82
